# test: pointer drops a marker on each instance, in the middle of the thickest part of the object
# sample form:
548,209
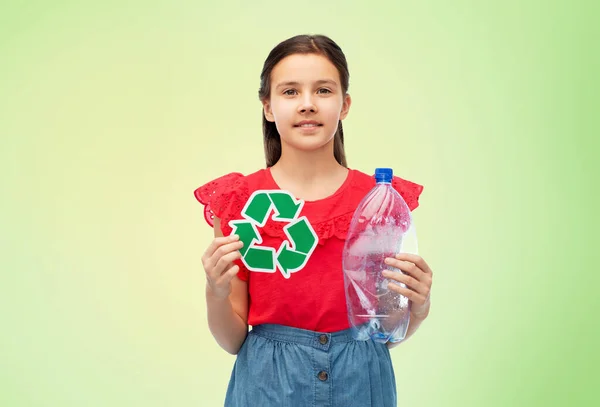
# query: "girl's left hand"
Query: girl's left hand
417,279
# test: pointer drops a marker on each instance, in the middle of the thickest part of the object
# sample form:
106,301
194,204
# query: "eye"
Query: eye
289,92
325,90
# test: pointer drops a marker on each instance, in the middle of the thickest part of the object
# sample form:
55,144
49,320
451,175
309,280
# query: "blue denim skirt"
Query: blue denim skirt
281,366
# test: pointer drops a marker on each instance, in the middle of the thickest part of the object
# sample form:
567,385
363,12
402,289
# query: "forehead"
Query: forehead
304,68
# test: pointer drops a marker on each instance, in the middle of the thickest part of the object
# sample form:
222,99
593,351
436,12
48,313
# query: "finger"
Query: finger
218,242
229,274
224,262
416,259
208,260
409,281
222,251
410,294
408,267
226,249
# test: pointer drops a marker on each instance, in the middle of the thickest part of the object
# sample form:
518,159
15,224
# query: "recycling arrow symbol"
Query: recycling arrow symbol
293,254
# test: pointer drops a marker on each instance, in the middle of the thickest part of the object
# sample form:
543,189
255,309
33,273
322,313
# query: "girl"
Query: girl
300,351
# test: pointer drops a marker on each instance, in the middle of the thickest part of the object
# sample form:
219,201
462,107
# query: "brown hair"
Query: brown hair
301,44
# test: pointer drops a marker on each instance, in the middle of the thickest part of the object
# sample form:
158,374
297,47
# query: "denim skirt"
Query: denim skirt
281,366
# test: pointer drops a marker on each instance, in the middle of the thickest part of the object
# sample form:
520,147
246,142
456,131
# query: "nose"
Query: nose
307,104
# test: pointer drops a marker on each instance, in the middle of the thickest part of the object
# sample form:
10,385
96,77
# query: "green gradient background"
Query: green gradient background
111,115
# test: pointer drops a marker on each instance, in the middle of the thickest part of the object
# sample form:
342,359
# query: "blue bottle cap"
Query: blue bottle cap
384,174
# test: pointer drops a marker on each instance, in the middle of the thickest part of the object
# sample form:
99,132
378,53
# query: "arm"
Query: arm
228,315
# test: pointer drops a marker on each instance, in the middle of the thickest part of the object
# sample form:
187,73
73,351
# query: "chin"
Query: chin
308,142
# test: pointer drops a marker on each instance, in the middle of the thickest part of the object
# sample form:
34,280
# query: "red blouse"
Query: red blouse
313,297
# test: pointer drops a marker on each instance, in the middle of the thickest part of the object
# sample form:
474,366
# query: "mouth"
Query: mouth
308,124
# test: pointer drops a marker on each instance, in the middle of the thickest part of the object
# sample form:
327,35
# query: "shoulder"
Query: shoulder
362,180
224,195
218,187
409,190
233,182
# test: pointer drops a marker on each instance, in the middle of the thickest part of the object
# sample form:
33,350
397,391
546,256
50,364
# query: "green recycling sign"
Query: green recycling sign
293,254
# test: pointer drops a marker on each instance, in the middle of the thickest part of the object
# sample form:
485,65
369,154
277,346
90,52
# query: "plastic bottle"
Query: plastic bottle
381,227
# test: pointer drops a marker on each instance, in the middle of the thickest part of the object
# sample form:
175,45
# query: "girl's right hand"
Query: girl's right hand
217,262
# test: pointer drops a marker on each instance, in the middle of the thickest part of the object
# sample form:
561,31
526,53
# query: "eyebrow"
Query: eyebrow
319,82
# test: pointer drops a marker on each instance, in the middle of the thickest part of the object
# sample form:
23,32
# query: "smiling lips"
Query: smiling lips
308,124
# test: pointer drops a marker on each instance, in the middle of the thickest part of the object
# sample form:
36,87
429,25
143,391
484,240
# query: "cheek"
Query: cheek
282,111
333,111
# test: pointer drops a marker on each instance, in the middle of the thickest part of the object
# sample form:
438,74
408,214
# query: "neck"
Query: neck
307,165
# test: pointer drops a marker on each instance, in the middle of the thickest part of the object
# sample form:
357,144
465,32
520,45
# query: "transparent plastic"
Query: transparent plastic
382,226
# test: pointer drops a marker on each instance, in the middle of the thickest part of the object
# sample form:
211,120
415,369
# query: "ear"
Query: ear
345,106
268,111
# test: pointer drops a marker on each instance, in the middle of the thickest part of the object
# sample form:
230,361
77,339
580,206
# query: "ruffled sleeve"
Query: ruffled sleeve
409,191
224,198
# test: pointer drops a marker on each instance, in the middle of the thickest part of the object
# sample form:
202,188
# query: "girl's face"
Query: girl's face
306,101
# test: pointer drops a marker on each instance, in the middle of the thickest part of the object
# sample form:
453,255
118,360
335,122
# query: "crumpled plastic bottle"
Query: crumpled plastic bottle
382,226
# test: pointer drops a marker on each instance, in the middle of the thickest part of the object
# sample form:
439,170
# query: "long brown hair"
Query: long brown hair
301,44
